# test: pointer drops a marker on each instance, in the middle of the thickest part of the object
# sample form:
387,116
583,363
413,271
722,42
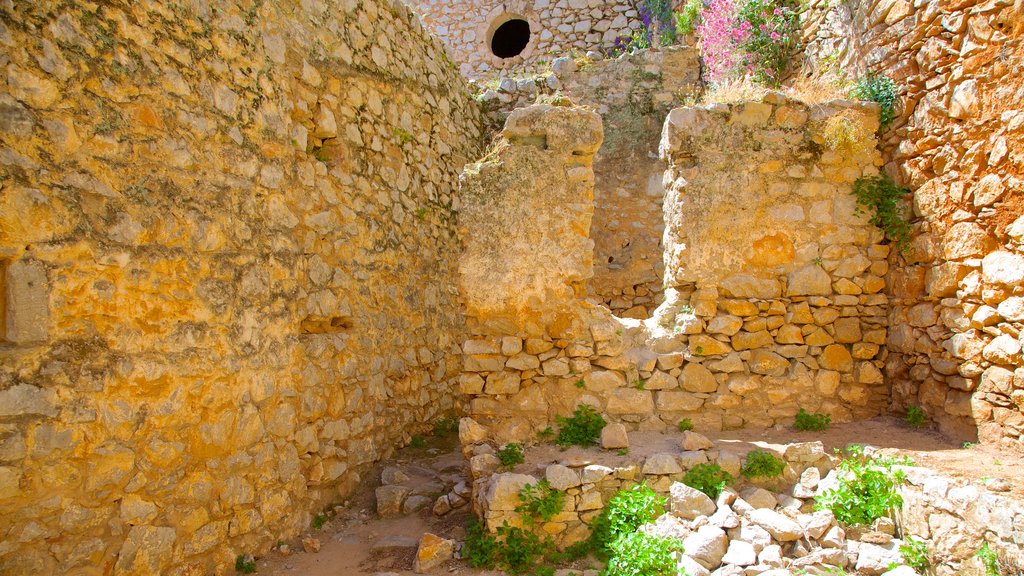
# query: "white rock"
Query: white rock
613,437
753,534
1012,309
873,559
781,528
695,441
771,555
1003,267
724,518
692,458
834,538
759,497
707,546
689,503
740,553
901,571
691,567
662,464
816,524
561,477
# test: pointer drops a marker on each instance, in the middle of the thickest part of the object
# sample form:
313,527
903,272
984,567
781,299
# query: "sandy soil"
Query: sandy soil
356,543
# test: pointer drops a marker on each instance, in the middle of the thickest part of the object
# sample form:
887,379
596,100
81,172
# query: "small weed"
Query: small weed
968,445
699,351
868,488
915,555
245,564
882,197
639,383
319,520
421,213
510,455
540,502
708,478
915,418
622,451
685,425
815,422
403,135
818,262
761,464
989,559
320,154
446,426
580,383
546,434
418,442
882,90
583,428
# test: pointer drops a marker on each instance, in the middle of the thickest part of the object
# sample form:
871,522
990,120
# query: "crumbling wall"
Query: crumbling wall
774,299
228,236
556,28
956,300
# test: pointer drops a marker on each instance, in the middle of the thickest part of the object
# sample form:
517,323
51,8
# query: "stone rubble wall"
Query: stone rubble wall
956,299
633,93
228,236
557,28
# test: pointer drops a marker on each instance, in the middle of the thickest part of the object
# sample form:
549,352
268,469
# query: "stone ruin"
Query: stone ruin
247,252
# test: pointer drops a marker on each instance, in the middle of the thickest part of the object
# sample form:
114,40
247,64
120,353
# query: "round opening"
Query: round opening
510,39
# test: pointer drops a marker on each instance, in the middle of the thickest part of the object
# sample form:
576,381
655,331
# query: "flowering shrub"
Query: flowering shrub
755,37
660,25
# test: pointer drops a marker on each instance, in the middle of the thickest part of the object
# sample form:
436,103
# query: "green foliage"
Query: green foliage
319,520
540,502
245,564
480,548
583,428
989,559
915,555
708,478
685,425
773,36
880,89
761,464
641,554
546,434
915,418
510,455
686,18
446,427
625,512
867,489
403,135
418,441
881,196
640,383
580,383
807,421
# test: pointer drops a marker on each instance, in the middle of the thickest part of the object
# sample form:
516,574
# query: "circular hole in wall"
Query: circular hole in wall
510,39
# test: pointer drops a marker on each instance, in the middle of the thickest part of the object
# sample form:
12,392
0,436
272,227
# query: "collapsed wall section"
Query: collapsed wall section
957,307
228,239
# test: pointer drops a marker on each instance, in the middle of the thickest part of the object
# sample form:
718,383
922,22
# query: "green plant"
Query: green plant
319,520
881,195
867,488
446,426
403,135
968,445
687,17
546,434
772,30
915,555
625,513
580,383
641,554
880,89
583,428
245,564
622,451
761,464
915,418
989,559
540,502
421,213
685,425
807,421
639,383
510,454
708,478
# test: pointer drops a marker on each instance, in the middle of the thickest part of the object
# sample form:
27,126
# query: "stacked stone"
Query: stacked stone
243,229
557,27
956,294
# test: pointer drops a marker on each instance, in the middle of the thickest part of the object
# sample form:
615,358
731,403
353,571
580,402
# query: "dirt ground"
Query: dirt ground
358,543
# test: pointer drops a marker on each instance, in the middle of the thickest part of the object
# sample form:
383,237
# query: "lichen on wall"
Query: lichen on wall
232,225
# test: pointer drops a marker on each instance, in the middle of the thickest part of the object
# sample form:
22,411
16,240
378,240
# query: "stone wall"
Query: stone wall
780,309
228,235
557,27
956,300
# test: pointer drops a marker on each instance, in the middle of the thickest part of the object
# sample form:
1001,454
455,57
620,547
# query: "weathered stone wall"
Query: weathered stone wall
796,322
957,311
228,235
556,28
633,93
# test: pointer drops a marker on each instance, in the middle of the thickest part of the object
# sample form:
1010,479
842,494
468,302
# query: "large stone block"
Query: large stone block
27,306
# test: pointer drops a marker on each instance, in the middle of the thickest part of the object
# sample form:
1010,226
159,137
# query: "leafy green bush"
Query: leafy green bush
510,455
685,425
511,549
915,555
989,559
540,502
417,442
445,426
641,554
771,38
708,478
245,564
916,418
807,421
625,512
687,17
867,489
761,464
880,89
583,428
881,196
